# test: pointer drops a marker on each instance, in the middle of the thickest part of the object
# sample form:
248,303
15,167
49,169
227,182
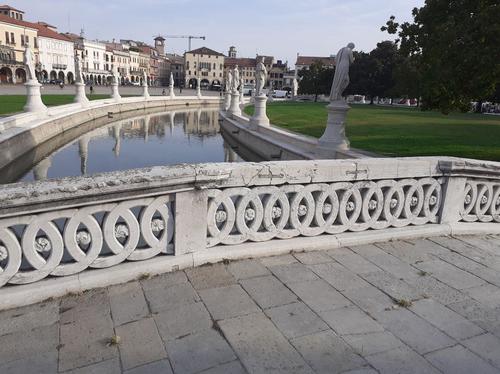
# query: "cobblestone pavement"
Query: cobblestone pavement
423,306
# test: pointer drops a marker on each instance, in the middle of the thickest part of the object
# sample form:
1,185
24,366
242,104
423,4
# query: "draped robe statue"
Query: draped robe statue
236,78
78,70
29,62
229,81
171,80
343,60
260,77
144,78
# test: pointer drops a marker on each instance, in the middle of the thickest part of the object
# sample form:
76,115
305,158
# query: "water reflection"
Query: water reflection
187,136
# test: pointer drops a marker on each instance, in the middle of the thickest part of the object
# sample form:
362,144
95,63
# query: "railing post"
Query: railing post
453,200
190,221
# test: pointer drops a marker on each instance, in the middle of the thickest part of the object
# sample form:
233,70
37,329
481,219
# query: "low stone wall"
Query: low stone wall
273,143
74,234
21,133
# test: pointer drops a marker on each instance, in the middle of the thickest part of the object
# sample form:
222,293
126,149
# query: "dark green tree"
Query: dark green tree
316,80
457,44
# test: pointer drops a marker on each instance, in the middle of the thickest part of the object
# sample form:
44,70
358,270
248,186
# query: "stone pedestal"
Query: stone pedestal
171,89
242,97
81,97
234,107
259,117
115,94
34,101
334,136
227,101
145,91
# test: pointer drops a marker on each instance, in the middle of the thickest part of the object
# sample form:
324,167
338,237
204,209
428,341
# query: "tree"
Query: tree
317,80
407,77
458,49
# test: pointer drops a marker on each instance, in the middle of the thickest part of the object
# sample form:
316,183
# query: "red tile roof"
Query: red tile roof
6,19
241,62
42,30
308,60
205,51
10,8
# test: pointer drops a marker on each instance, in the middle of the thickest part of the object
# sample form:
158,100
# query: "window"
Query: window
7,39
12,40
26,39
22,39
214,66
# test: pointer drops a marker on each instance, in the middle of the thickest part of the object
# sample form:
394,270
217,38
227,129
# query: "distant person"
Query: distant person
91,89
180,89
163,92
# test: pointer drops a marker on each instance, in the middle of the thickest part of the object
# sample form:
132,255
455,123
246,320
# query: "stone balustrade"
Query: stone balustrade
166,218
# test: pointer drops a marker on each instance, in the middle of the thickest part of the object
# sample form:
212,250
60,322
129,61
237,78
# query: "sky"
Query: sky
281,28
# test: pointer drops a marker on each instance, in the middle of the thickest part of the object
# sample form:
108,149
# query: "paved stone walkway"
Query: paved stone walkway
423,306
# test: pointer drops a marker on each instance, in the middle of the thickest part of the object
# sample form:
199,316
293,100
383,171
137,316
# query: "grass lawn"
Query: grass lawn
398,131
10,104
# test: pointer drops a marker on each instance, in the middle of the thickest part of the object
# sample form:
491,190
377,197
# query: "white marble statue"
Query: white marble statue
236,79
144,78
260,77
229,80
29,62
78,70
114,72
171,80
295,87
343,61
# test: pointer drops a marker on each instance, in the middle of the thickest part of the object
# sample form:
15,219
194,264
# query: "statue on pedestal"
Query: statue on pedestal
29,62
171,80
295,87
144,78
236,79
229,80
343,60
260,77
78,70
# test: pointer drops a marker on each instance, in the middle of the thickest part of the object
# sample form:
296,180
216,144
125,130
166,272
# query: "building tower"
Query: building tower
232,52
160,45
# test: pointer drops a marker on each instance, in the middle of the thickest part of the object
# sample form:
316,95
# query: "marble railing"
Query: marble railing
205,213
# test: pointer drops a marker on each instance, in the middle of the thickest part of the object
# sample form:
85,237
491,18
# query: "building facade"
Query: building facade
206,64
56,55
304,62
15,35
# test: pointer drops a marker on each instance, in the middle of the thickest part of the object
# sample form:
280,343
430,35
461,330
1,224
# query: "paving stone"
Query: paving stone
88,305
484,246
183,320
372,343
467,250
445,319
312,258
162,299
41,363
387,262
268,291
338,276
200,351
295,320
473,267
459,360
139,343
401,360
87,330
412,251
278,260
229,368
394,287
319,295
162,366
449,274
370,299
352,261
228,302
326,353
210,276
247,269
127,303
350,320
414,331
486,346
293,273
29,317
427,286
484,317
164,280
261,347
104,367
365,370
488,295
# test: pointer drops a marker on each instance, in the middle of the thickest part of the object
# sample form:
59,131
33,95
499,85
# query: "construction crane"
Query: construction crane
188,37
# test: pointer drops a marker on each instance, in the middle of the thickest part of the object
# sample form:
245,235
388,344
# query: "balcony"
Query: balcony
59,66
